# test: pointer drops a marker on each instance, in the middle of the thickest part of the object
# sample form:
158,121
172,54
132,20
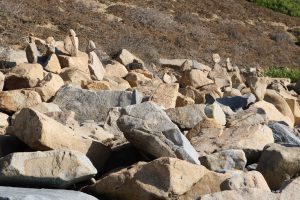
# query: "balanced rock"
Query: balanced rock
25,75
14,193
89,105
150,130
71,43
14,100
96,68
166,95
279,163
40,132
55,169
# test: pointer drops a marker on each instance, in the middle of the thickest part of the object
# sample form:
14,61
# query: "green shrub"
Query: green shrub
289,7
276,72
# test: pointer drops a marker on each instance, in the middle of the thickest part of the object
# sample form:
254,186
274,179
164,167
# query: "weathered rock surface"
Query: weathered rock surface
4,122
258,86
149,129
166,95
251,116
13,193
187,117
89,105
55,169
96,68
225,160
79,62
159,179
126,58
215,111
43,133
115,69
295,108
291,190
283,134
75,77
14,100
52,64
46,107
279,163
195,78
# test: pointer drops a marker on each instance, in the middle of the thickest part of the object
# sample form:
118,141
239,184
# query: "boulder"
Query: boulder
89,105
252,179
96,68
115,69
54,169
225,160
283,134
169,78
291,190
32,52
79,62
46,107
195,78
174,62
215,111
126,58
52,64
295,108
48,87
14,100
4,123
25,75
40,132
160,179
166,95
187,117
135,79
66,118
14,193
249,117
182,100
10,144
150,130
117,83
239,102
2,80
272,113
279,163
75,77
258,86
98,86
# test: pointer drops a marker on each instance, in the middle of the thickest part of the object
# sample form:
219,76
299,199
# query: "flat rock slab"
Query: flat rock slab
54,169
89,105
13,193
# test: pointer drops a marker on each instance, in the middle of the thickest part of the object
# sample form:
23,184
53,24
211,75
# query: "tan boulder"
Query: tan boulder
258,86
14,100
52,64
136,79
115,69
117,83
79,62
25,75
182,100
291,190
126,58
4,123
166,95
40,132
98,85
295,108
169,78
75,77
195,78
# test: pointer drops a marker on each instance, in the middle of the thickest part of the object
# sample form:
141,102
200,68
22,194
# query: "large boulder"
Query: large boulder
188,116
127,58
14,193
89,105
283,134
279,163
79,62
115,69
295,108
14,100
75,76
40,132
149,129
166,95
55,169
290,190
258,86
25,75
195,78
52,64
160,179
251,116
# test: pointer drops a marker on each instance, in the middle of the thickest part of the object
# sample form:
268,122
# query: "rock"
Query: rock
117,83
252,179
66,118
126,58
166,95
4,123
32,52
75,77
295,108
80,62
291,190
52,64
48,87
169,78
13,57
215,111
174,62
150,130
14,100
212,140
11,144
195,78
280,160
115,69
111,125
187,117
258,86
245,194
2,80
98,86
89,105
136,79
283,135
24,76
43,133
160,179
182,100
232,92
223,161
46,107
216,58
220,76
206,125
249,117
13,193
239,102
229,65
96,68
71,43
282,106
55,169
272,113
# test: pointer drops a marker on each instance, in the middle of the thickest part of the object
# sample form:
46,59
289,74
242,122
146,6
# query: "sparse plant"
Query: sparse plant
279,72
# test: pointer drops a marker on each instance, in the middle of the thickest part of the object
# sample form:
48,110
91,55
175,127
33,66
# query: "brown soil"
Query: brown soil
250,35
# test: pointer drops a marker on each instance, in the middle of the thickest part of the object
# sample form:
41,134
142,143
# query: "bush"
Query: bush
289,7
276,72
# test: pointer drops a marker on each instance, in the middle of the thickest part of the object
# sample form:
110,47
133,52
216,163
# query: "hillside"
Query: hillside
249,34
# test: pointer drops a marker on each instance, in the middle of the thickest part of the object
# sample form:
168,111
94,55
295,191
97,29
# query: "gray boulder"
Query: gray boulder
283,134
13,193
249,117
149,129
89,105
238,102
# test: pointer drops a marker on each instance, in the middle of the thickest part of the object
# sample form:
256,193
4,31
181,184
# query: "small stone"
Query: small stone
258,86
52,64
169,78
126,58
135,79
75,77
115,69
182,100
215,111
166,95
98,86
216,58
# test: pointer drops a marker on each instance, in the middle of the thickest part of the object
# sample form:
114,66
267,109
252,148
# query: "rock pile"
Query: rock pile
82,129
